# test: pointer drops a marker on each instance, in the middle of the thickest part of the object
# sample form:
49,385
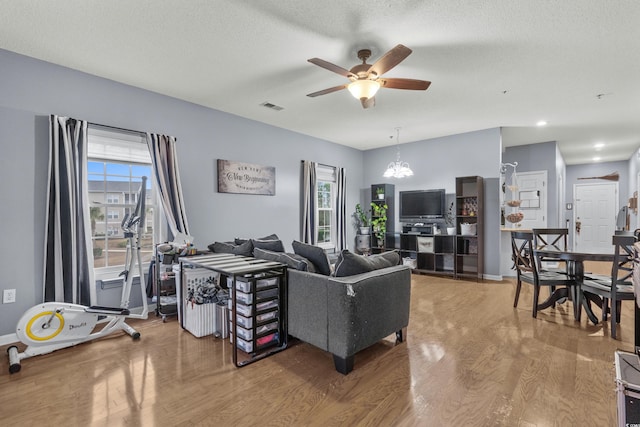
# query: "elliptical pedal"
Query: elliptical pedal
108,310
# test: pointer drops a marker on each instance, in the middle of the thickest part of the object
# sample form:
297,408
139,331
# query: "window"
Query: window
117,161
325,206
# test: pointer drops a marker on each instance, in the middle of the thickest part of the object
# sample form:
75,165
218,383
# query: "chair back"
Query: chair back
551,238
522,252
622,268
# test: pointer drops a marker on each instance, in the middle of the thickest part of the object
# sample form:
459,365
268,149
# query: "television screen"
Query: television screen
421,204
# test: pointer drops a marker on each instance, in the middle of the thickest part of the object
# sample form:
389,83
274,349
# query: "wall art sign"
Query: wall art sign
246,178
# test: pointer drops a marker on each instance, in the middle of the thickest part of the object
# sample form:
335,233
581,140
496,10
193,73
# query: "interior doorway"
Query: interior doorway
532,193
596,207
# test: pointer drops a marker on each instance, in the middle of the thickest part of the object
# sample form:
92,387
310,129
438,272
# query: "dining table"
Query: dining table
575,269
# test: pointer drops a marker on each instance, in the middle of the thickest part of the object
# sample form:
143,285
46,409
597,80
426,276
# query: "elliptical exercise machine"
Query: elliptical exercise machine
52,326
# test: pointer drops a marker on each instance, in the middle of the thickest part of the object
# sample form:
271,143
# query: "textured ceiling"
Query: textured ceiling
509,63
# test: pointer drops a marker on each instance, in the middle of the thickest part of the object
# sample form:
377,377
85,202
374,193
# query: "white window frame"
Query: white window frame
326,174
108,145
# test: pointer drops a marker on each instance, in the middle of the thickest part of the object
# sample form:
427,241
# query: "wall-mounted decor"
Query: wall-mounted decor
246,178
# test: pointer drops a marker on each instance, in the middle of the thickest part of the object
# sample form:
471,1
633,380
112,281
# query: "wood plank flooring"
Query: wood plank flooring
470,359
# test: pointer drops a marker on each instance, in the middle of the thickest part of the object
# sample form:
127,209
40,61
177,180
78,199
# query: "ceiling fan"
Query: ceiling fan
365,78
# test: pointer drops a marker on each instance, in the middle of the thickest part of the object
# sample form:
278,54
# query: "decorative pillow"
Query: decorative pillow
240,240
269,245
245,249
290,260
349,263
315,254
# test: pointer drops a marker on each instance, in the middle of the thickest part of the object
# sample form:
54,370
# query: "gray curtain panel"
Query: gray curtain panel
341,209
167,180
68,258
309,184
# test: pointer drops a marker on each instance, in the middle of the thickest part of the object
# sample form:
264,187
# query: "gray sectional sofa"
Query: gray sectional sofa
343,308
343,315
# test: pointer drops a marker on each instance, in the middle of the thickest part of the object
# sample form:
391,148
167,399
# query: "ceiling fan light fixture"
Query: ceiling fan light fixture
364,88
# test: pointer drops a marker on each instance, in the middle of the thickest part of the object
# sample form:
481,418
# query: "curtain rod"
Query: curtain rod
318,163
119,128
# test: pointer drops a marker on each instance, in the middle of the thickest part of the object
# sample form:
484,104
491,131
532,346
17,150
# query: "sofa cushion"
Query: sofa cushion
349,264
240,240
269,245
290,260
315,254
245,249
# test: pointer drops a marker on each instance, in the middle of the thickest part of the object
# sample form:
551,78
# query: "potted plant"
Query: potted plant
362,218
450,220
380,193
379,221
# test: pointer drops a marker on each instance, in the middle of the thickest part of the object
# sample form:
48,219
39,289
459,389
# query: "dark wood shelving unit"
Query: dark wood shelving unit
458,256
469,262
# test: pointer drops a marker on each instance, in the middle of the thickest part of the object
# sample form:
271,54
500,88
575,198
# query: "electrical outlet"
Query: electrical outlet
8,296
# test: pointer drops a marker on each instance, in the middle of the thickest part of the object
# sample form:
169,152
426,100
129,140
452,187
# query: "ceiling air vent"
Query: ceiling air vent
272,106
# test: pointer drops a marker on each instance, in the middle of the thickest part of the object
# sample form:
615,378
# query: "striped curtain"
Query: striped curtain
341,210
68,258
167,180
309,191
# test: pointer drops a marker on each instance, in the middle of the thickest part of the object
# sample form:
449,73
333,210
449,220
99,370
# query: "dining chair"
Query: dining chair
618,287
551,238
527,269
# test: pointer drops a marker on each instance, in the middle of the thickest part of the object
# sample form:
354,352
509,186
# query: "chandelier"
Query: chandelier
398,169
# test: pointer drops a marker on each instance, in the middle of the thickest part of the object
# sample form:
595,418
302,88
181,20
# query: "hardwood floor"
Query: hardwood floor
470,359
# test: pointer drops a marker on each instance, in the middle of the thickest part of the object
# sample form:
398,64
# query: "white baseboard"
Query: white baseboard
497,278
9,339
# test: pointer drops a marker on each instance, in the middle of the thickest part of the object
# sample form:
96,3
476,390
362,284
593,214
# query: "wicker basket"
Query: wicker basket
515,217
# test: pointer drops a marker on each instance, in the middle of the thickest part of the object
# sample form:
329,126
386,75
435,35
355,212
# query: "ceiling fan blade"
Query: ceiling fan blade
368,103
410,84
329,90
390,60
332,67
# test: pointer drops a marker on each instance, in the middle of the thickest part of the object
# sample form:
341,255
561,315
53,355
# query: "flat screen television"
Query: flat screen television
419,205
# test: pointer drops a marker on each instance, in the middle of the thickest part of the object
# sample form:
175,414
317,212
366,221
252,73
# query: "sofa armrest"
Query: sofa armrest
367,307
346,314
307,307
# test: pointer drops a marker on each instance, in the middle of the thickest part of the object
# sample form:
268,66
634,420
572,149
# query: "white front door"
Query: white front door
532,192
596,207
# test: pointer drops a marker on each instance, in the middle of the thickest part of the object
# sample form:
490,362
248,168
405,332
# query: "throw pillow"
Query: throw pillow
290,260
245,249
269,245
240,240
349,263
315,254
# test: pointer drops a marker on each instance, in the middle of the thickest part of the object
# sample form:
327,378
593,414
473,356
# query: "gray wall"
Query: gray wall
32,89
598,169
436,163
537,157
546,156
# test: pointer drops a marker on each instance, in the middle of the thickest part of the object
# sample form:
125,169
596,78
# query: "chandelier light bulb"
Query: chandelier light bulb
398,169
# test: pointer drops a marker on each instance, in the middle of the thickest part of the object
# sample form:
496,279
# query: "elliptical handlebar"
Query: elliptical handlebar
138,215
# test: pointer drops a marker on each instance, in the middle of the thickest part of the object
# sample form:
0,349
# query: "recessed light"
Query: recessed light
596,159
598,146
541,123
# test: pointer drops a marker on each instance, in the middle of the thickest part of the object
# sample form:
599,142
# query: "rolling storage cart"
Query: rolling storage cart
258,303
165,284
